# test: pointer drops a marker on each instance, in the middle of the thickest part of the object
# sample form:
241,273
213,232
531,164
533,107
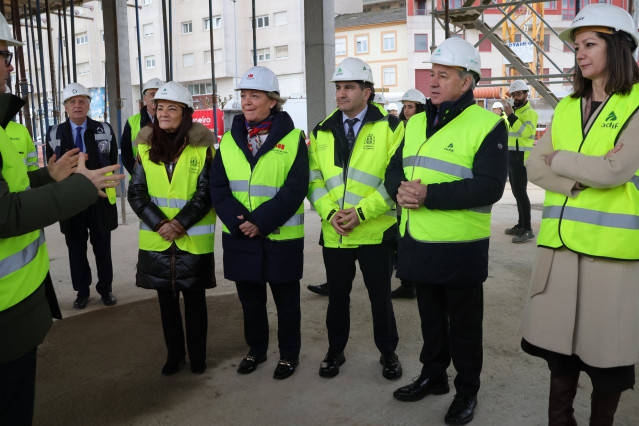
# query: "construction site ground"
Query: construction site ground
101,366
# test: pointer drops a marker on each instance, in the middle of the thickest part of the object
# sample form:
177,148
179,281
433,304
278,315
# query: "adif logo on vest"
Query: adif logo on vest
608,122
279,148
194,165
369,142
450,148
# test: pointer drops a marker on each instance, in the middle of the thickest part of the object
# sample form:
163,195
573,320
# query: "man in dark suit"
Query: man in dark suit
97,141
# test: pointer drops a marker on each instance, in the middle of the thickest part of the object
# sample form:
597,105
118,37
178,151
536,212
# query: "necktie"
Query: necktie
350,135
78,138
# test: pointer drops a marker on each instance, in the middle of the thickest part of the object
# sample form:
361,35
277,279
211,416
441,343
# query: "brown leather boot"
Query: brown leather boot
603,408
562,393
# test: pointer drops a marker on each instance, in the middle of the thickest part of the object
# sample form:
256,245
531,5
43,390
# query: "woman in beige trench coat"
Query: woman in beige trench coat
582,311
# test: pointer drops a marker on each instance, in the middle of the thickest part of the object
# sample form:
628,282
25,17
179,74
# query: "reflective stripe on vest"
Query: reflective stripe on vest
134,122
600,222
447,156
257,186
24,261
171,197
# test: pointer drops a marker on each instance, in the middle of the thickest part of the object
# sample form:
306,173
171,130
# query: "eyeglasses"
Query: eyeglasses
8,56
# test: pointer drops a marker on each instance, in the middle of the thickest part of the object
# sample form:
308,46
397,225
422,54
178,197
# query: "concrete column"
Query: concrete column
118,68
319,33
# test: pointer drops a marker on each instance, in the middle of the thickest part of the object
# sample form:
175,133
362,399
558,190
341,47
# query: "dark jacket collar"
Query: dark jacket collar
282,126
334,121
447,111
9,106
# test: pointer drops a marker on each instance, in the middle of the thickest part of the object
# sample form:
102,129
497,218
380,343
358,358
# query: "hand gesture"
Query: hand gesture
65,166
97,177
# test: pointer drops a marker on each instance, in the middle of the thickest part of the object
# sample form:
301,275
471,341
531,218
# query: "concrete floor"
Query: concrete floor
102,365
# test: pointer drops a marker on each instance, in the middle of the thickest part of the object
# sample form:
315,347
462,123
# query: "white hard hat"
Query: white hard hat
457,52
259,78
353,69
175,92
379,99
414,95
154,83
602,15
5,33
391,107
518,86
74,89
498,105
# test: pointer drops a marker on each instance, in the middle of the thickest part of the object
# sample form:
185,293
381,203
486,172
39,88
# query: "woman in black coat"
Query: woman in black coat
259,180
169,191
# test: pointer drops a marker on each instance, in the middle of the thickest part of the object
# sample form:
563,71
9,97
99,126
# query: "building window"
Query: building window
279,18
517,38
217,55
546,42
81,38
388,42
281,52
187,60
83,68
200,89
262,54
144,2
207,56
485,45
546,72
361,44
567,47
390,75
567,9
421,42
261,21
340,46
217,23
149,61
147,30
550,5
485,73
187,27
421,7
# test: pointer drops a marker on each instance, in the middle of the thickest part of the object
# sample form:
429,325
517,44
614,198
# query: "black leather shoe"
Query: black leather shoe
198,367
330,364
321,289
461,410
403,292
80,302
249,364
515,230
109,299
392,368
421,387
172,367
285,368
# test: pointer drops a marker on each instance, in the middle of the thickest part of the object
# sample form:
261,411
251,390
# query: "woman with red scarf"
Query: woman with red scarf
258,183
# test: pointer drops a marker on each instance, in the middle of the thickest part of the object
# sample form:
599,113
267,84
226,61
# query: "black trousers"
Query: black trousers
85,226
289,317
518,181
196,324
17,390
375,262
451,317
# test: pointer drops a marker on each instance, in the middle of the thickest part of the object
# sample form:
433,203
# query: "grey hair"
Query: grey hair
464,73
276,97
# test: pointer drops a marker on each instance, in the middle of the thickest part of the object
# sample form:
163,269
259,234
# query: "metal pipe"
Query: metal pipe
137,26
72,13
19,50
214,86
433,46
62,81
171,38
45,102
35,65
66,41
166,42
254,35
54,97
446,19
